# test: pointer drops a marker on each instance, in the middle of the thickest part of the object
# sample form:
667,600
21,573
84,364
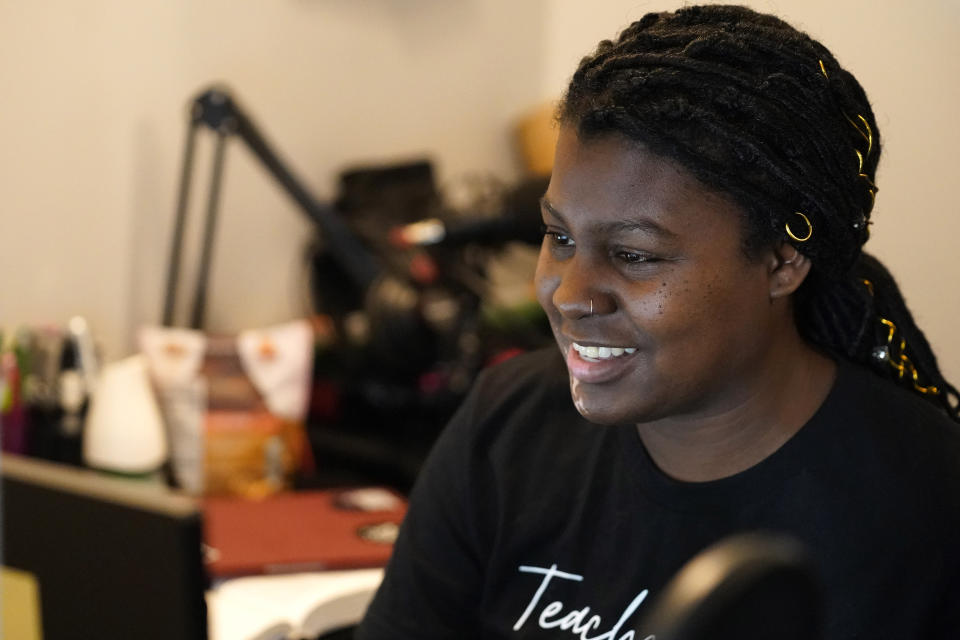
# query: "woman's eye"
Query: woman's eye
634,257
559,238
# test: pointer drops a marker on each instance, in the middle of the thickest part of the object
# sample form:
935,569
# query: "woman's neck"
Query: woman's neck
781,396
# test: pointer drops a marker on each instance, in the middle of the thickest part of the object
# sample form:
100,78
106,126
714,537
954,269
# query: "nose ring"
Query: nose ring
591,306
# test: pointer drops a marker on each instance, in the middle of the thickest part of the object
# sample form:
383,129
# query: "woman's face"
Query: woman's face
681,316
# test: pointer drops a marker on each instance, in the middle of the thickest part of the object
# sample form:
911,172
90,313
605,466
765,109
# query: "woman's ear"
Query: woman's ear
788,270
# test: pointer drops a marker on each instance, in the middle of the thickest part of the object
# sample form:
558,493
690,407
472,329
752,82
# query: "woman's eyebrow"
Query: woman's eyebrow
545,204
642,225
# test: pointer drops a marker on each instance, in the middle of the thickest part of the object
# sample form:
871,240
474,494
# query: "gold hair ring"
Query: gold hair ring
793,235
867,135
899,361
866,132
871,187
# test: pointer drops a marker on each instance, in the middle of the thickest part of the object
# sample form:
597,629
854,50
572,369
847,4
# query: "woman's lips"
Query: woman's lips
597,371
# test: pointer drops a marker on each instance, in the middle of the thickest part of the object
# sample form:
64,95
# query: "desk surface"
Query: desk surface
301,531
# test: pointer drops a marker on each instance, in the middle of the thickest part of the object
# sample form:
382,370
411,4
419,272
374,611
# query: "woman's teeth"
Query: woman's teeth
602,353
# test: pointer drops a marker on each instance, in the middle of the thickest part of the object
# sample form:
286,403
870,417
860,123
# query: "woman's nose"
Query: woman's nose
576,293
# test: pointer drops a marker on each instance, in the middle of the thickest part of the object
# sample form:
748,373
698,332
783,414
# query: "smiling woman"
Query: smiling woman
729,360
640,255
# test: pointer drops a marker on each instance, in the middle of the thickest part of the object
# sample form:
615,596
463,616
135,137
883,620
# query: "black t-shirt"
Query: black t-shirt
524,504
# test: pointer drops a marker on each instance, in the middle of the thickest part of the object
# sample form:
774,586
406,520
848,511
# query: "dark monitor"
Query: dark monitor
113,559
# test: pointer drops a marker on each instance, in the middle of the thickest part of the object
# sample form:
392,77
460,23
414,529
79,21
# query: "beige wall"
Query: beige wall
93,119
91,127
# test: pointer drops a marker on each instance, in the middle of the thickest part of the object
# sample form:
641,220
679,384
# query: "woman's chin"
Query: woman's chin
599,413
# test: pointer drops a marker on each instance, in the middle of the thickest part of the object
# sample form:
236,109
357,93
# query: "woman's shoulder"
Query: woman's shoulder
541,372
890,407
910,434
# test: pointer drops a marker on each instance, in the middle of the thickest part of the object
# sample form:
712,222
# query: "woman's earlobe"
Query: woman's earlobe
790,270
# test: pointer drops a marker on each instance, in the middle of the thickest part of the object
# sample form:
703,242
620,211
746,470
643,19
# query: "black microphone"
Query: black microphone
520,221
